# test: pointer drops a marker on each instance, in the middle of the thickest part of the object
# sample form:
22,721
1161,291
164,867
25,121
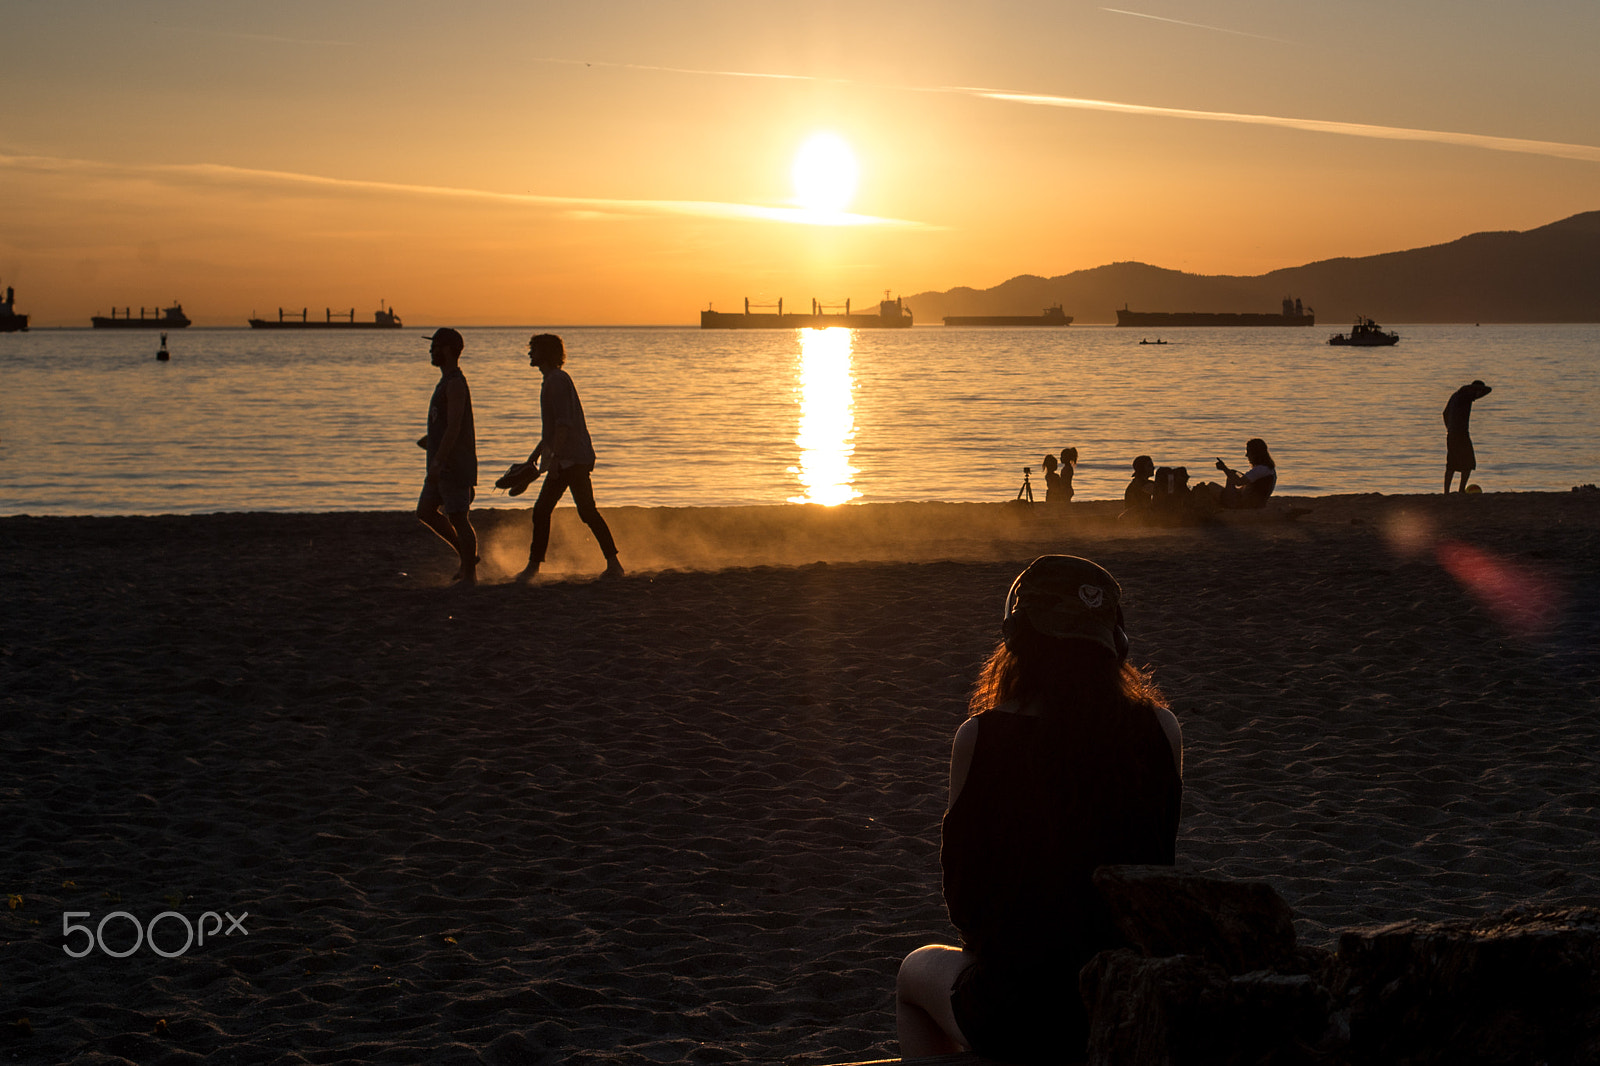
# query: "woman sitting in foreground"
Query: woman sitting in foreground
1250,489
1069,761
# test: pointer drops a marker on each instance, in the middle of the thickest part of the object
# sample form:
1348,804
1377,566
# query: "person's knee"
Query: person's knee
922,969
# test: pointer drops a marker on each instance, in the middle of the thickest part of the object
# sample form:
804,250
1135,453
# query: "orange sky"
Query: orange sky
495,163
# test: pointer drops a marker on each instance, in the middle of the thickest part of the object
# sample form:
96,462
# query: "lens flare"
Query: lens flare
1519,597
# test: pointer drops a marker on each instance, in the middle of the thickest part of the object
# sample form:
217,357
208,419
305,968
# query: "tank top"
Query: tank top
463,466
1018,852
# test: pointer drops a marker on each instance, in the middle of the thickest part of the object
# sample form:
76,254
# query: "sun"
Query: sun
825,174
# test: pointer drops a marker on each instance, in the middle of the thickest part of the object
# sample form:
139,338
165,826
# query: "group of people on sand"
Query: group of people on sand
564,456
1163,494
1157,494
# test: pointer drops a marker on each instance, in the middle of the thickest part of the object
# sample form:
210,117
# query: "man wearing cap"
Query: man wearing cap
1458,442
452,448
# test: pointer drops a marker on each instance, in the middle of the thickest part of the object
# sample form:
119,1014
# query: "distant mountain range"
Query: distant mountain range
1549,274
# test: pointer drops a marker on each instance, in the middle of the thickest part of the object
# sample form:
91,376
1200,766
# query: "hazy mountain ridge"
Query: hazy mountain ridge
1548,274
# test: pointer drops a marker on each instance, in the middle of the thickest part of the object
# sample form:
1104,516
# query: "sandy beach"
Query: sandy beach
693,815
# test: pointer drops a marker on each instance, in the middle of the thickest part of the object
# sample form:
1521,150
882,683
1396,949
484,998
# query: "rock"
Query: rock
1519,987
1240,926
1185,1010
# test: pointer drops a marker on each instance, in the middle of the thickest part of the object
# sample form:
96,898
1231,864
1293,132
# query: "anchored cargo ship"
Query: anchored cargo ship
1050,316
381,319
10,321
892,314
159,318
1293,315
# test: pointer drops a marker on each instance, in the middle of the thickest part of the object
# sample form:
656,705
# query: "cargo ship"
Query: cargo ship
381,319
1365,334
159,318
10,321
891,314
1293,315
1050,316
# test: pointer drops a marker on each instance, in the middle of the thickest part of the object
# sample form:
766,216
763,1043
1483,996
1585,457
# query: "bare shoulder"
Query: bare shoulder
961,756
1174,731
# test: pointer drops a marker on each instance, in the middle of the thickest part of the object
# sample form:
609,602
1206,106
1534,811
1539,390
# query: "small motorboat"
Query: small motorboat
1365,334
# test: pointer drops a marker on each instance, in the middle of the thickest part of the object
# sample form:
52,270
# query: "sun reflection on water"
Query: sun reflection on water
827,432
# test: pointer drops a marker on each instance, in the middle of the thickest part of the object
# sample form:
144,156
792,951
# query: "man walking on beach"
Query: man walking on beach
452,448
567,454
1458,442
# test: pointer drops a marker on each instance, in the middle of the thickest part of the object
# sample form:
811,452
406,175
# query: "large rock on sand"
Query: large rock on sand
1238,925
1184,1010
1216,977
1519,987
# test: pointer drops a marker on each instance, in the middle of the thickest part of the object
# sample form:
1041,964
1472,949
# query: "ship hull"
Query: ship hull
101,322
731,320
1171,319
1008,320
1382,340
267,323
13,323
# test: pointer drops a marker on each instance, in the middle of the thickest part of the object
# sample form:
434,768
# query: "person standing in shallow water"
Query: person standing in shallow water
1457,440
565,455
452,447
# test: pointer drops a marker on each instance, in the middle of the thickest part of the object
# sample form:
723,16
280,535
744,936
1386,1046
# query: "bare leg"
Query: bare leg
435,520
1448,474
1464,475
923,1017
466,545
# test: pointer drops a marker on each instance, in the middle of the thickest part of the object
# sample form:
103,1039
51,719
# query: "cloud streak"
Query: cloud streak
1195,25
1555,149
574,206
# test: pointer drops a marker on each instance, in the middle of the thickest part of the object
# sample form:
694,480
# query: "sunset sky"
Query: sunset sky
630,162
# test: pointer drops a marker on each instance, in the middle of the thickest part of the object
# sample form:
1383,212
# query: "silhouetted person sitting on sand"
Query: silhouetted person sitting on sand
1070,760
1249,491
1459,454
567,454
452,448
1171,499
1136,498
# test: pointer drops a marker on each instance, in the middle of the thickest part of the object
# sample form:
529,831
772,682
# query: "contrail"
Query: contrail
1587,153
574,204
1556,149
1196,25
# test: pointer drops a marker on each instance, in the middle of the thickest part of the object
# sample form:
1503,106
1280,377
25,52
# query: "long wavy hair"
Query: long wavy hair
1095,712
1255,450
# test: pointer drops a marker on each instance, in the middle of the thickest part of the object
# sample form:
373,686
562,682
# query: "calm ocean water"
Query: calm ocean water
239,420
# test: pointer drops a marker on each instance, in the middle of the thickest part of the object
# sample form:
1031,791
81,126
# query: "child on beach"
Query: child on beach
1052,481
1069,462
1070,760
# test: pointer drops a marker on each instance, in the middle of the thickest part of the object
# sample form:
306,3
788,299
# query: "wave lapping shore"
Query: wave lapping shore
693,815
